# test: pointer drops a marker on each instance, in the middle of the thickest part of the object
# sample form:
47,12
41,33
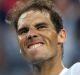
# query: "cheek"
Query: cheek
52,41
22,42
53,37
50,36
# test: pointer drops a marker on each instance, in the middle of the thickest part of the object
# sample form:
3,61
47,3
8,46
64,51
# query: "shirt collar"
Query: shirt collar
63,71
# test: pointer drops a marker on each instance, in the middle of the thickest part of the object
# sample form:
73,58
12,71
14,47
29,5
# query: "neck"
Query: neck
48,67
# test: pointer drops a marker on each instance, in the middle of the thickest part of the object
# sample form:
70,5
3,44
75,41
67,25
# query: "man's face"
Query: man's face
37,36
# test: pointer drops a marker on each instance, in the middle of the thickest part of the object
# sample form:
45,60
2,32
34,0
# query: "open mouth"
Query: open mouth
34,45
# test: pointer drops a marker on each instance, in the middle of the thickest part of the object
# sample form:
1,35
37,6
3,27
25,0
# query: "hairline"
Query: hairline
36,9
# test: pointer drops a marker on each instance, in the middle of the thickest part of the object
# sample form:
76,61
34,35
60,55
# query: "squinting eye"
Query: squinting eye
22,31
41,27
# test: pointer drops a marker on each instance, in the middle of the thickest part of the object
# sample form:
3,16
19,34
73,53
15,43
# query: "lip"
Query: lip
33,43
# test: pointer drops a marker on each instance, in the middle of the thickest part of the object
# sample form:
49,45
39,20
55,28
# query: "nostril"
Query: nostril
29,37
32,37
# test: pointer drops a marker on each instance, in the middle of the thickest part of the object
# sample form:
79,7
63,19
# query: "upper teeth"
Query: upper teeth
35,46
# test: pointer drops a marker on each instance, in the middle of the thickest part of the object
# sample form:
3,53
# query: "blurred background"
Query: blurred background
12,62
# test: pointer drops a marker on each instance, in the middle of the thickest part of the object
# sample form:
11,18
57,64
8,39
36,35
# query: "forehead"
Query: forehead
32,14
33,18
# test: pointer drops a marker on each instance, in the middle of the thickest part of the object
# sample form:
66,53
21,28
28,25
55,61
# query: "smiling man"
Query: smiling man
41,36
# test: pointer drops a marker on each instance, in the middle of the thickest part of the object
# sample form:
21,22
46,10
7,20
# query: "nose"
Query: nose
32,34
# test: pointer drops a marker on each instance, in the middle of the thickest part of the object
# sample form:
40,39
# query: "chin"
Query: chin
38,60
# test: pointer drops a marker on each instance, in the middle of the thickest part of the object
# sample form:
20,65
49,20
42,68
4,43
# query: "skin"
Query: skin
40,43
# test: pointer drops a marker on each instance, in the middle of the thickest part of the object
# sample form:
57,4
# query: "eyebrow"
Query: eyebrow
42,23
38,24
23,28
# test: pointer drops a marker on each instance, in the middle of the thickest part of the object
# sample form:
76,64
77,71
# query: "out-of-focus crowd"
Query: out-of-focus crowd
11,61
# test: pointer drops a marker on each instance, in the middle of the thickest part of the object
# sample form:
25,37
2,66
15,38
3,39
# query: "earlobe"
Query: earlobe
20,51
61,36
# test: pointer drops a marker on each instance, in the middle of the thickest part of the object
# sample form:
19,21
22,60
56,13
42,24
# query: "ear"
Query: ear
20,51
61,36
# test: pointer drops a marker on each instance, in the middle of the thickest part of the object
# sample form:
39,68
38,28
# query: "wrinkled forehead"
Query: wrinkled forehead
32,13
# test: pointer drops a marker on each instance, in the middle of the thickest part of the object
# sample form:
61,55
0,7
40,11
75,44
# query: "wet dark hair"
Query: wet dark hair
42,6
